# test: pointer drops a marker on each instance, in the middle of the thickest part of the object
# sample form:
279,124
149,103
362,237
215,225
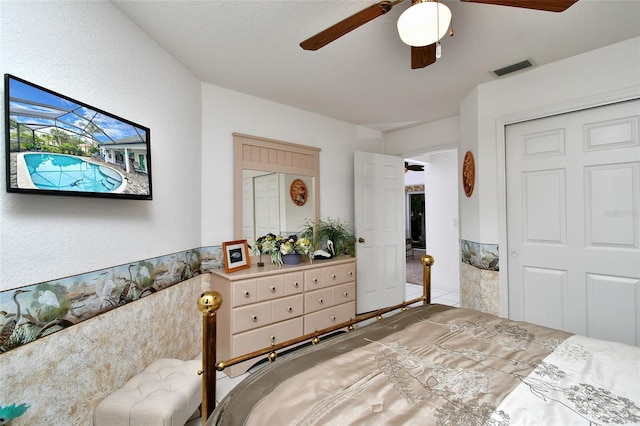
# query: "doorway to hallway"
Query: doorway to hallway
432,216
416,219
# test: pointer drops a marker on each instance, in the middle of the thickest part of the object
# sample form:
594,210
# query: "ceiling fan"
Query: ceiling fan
421,54
413,167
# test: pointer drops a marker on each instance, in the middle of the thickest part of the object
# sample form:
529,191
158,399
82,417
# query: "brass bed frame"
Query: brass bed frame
210,301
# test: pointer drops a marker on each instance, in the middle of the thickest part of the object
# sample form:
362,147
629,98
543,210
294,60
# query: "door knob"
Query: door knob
361,240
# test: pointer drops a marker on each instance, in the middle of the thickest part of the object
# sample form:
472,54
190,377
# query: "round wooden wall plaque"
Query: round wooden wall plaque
468,174
298,191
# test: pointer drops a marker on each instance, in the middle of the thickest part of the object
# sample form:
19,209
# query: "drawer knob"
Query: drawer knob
315,280
246,294
346,294
290,309
273,289
333,318
321,301
350,273
333,276
254,318
273,338
296,284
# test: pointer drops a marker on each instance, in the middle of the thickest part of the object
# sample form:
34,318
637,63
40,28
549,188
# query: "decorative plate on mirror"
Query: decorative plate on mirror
298,192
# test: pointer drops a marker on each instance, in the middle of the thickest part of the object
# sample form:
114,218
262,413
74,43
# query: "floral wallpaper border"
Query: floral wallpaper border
482,256
38,310
414,188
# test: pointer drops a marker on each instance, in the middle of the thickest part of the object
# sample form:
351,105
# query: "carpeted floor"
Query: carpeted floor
414,268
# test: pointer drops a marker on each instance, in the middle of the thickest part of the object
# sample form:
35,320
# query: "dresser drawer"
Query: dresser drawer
319,299
293,283
253,340
331,275
349,272
252,316
244,292
344,293
270,287
287,308
313,279
329,317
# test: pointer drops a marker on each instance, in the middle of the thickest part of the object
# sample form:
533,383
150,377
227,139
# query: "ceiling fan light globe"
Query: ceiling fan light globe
418,25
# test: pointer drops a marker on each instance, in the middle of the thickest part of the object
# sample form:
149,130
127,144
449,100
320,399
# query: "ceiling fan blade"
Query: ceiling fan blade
546,5
413,167
346,25
423,56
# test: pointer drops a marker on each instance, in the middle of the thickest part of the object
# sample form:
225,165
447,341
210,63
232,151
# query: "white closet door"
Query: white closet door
573,220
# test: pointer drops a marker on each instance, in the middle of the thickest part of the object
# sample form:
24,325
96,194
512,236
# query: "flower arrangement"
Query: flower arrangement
277,246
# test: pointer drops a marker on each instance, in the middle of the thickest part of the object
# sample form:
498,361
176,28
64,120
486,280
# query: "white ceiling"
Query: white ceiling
365,77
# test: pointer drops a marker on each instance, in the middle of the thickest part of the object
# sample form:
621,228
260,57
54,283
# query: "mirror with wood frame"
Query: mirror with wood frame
293,173
276,203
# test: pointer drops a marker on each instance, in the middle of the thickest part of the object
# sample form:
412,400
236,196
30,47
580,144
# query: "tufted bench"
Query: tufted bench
168,393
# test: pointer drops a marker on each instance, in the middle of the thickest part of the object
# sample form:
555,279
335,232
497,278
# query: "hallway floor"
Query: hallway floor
441,296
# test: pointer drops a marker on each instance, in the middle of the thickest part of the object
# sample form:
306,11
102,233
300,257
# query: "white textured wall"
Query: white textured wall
429,137
225,112
441,198
90,52
413,178
469,206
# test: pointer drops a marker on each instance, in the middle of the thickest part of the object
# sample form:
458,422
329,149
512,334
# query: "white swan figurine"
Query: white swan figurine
322,254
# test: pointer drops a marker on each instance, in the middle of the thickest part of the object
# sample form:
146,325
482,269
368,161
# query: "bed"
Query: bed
431,364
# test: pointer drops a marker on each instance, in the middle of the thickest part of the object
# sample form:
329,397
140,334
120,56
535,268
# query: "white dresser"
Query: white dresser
273,304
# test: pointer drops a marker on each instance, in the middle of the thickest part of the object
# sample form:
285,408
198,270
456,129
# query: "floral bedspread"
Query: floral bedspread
436,365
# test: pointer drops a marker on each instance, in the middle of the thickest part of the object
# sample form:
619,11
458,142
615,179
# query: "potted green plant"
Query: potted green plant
332,235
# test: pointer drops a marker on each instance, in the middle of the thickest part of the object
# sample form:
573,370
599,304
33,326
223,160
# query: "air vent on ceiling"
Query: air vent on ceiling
513,68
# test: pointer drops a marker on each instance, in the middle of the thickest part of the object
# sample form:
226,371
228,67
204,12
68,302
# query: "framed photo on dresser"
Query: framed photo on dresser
236,255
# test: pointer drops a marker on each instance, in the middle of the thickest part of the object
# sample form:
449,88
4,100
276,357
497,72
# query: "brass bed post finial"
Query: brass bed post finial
427,262
208,304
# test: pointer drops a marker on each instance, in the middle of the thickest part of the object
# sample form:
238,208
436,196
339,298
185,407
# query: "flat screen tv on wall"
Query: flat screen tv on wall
59,146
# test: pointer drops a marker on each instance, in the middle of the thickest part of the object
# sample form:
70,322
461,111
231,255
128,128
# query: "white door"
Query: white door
573,221
379,228
267,204
248,224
